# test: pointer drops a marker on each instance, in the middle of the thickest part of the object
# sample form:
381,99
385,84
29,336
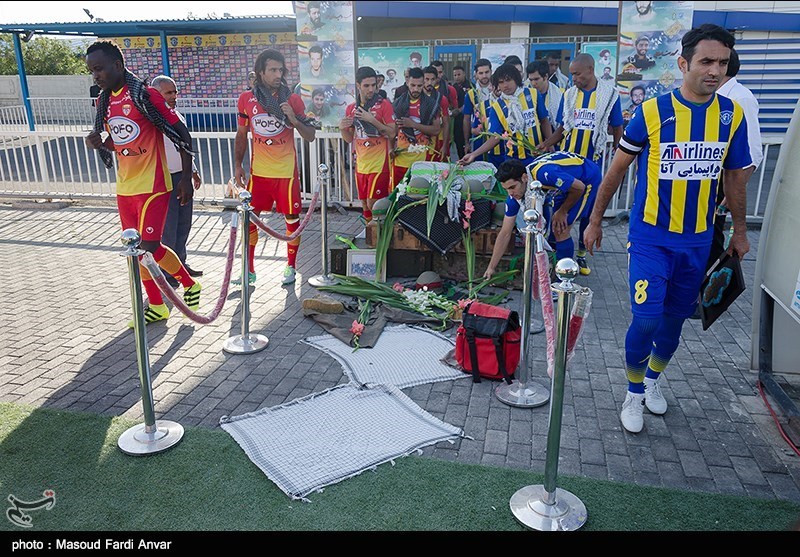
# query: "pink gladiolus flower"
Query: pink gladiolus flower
469,208
505,135
464,302
397,287
509,145
465,222
357,328
480,127
445,173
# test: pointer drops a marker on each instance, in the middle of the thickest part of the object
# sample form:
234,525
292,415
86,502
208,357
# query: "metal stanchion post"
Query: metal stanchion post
522,392
324,279
547,507
537,321
152,436
246,343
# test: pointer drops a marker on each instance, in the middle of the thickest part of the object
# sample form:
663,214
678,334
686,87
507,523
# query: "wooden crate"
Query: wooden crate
484,241
401,238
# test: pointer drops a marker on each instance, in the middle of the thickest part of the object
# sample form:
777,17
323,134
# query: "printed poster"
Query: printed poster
605,59
392,62
650,34
326,56
496,53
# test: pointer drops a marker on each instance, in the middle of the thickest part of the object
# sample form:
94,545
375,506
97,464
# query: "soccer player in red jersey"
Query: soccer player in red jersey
271,113
136,118
418,124
370,122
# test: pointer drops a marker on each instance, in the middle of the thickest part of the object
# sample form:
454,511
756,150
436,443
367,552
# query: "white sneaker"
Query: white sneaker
632,410
288,275
653,398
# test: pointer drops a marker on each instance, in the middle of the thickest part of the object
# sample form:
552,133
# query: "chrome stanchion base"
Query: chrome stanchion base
241,345
537,326
523,395
137,441
322,280
567,514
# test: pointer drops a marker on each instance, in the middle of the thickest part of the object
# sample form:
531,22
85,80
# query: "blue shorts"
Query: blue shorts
665,280
583,208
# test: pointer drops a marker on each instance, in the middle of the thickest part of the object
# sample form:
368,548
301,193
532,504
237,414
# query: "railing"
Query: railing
58,164
78,114
13,118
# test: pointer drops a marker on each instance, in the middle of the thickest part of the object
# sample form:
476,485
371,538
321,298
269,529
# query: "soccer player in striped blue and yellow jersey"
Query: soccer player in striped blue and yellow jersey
477,102
585,113
683,141
519,114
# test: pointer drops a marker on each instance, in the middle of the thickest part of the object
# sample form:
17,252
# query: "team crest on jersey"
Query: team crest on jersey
266,125
126,109
123,130
726,117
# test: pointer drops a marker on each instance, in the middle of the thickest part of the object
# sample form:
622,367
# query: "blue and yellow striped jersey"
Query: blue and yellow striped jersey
534,111
579,140
478,113
560,169
682,148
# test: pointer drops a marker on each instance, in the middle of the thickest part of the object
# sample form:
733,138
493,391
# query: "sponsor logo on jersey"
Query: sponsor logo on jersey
691,160
266,125
123,130
584,118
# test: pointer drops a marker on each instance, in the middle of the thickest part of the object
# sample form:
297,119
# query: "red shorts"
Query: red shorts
398,173
374,186
146,212
281,192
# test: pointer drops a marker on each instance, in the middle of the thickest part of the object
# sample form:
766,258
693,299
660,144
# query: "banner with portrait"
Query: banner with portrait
496,53
392,63
326,58
650,34
605,59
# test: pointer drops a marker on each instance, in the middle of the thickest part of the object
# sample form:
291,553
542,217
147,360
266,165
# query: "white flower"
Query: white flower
401,189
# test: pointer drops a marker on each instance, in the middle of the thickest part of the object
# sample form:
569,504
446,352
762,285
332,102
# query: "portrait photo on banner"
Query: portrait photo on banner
392,62
324,21
633,93
650,36
324,62
605,59
327,103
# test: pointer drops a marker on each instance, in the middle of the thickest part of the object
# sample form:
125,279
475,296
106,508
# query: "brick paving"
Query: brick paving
66,302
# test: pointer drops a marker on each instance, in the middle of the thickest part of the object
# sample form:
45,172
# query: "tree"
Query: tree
43,56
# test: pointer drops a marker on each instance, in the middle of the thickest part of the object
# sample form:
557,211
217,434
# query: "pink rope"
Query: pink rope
275,234
548,311
172,296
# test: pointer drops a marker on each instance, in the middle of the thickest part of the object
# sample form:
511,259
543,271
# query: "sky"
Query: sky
62,12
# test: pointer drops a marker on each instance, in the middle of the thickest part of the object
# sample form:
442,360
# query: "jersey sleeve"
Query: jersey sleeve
494,120
541,107
468,109
161,105
296,102
242,118
635,136
554,176
615,118
386,113
738,155
512,207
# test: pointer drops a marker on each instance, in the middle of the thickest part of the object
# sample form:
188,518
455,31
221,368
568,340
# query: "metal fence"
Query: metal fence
57,164
76,114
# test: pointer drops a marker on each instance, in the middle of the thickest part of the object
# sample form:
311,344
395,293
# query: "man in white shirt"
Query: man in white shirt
731,88
178,223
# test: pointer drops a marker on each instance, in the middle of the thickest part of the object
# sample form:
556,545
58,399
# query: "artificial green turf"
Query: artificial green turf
206,482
